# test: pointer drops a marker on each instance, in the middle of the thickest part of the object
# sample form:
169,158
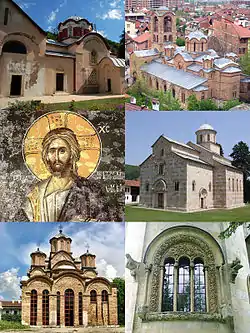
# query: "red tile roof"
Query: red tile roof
135,183
134,107
142,38
10,304
242,32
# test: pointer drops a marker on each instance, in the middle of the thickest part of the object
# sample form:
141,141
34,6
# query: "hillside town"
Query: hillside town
187,55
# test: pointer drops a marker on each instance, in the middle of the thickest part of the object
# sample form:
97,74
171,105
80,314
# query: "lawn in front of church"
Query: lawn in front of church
138,214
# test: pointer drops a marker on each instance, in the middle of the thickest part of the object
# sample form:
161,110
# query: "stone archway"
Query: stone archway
203,198
160,194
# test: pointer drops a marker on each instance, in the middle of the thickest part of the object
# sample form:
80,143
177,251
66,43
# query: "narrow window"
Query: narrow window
161,169
199,286
45,307
6,16
104,296
229,184
93,296
177,186
183,297
33,308
193,185
210,187
168,286
58,306
80,309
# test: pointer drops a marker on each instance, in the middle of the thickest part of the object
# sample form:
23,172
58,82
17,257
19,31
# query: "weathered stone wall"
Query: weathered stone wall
234,194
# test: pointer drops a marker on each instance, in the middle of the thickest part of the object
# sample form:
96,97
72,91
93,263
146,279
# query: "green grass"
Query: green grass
135,214
98,104
12,325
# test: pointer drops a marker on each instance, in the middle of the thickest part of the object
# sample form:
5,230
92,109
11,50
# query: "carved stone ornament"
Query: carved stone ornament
132,265
176,246
187,316
234,268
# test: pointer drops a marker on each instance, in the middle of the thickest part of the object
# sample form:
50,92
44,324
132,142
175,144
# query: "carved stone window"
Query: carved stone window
184,275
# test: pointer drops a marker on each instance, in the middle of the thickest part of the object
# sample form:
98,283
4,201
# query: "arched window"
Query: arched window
165,88
167,24
14,46
155,24
237,185
233,184
229,184
69,307
177,186
104,296
208,137
93,57
58,307
193,185
45,307
199,286
194,46
201,138
93,296
168,286
183,294
202,47
80,309
33,308
161,169
157,85
210,187
162,152
147,187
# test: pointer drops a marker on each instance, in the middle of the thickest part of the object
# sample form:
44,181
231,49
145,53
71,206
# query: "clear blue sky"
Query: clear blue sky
144,128
108,15
18,240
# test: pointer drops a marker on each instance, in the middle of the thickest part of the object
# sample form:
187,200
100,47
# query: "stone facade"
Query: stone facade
225,270
76,296
32,65
190,177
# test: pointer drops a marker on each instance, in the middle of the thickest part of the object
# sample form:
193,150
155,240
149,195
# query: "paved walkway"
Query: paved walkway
72,330
57,98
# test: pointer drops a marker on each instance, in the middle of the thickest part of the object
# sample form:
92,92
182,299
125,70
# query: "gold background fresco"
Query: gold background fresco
87,137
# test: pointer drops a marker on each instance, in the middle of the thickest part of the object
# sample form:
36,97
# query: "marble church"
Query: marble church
182,277
190,177
79,62
61,290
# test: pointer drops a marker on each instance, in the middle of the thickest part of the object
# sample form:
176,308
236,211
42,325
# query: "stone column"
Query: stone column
147,270
206,283
192,286
85,309
52,310
160,289
221,284
62,312
176,265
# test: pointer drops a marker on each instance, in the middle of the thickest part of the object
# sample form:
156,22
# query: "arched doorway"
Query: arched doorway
69,307
160,197
203,197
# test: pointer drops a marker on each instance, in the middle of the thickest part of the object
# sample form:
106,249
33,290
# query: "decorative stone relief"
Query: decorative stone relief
177,246
234,268
133,266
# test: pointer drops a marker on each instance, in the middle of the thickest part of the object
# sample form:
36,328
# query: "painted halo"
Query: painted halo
87,136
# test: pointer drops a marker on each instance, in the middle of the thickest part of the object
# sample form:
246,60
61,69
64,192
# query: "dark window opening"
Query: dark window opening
14,46
16,85
6,16
69,307
45,307
33,308
80,309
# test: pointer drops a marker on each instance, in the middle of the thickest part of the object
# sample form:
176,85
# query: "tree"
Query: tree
241,160
120,285
193,103
180,41
245,63
132,172
230,104
121,47
231,229
53,34
207,104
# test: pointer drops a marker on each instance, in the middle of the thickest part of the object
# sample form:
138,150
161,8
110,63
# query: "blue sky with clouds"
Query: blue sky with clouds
108,15
18,240
144,128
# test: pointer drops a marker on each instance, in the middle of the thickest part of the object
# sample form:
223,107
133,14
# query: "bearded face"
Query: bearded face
59,157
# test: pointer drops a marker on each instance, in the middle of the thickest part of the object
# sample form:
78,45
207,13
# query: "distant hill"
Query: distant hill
132,171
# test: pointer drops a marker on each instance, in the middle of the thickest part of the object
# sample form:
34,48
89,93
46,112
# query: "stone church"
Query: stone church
61,290
190,177
79,62
183,278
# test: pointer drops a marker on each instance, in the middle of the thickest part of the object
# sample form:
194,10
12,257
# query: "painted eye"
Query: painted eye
62,151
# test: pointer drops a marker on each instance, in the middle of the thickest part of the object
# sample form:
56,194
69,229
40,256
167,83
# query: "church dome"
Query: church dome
196,35
206,127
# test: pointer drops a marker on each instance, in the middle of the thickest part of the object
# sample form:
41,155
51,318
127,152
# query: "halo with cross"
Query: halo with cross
86,134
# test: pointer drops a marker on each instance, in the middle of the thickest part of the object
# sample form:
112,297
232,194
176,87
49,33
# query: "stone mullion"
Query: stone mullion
76,309
192,291
221,285
85,309
176,266
62,311
207,286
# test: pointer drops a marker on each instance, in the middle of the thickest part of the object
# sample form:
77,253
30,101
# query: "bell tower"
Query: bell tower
206,137
163,28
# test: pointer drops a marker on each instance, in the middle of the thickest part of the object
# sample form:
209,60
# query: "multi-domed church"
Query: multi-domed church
61,290
183,278
190,177
79,62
